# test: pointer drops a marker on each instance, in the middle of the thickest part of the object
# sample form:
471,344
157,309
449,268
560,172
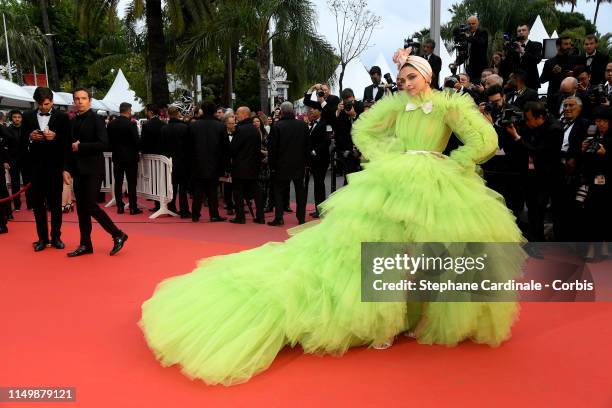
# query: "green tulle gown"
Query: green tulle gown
229,318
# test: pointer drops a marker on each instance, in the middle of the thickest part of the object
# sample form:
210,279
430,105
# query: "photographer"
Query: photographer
524,54
326,103
503,171
478,43
595,188
540,140
375,91
520,94
347,155
559,67
434,61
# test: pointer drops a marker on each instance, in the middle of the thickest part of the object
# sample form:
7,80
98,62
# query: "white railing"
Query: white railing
154,181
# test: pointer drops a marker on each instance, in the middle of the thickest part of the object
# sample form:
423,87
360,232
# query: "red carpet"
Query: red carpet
72,322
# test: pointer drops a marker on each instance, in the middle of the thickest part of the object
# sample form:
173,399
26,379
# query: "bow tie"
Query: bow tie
43,114
426,107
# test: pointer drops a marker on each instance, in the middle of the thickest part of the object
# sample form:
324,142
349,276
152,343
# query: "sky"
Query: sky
413,15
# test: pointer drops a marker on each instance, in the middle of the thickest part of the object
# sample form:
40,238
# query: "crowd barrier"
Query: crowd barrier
154,181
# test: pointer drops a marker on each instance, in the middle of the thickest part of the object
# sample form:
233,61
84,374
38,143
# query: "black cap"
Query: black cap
375,70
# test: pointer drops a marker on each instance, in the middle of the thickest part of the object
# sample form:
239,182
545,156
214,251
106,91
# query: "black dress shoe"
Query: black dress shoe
276,223
118,243
57,243
120,210
259,221
40,245
218,219
288,210
81,250
195,219
135,211
237,221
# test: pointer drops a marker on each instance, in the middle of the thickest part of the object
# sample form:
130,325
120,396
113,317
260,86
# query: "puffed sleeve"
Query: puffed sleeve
475,132
374,132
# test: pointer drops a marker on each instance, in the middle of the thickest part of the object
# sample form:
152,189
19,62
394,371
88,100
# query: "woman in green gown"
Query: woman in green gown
229,318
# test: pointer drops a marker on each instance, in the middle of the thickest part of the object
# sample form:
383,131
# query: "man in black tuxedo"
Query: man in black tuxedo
434,61
207,144
4,165
594,61
478,44
228,196
541,139
521,94
49,144
319,141
125,145
245,152
18,152
374,92
174,145
326,103
150,137
559,67
287,153
523,55
89,141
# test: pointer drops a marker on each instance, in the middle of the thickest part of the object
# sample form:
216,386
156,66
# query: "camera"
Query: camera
320,94
512,44
390,83
451,81
491,107
511,117
460,32
597,94
460,45
593,146
348,105
410,43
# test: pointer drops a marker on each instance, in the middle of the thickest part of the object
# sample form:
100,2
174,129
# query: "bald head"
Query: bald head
243,113
473,23
569,86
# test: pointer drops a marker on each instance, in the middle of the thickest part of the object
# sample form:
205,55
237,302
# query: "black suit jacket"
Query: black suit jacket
528,95
151,136
436,66
528,63
576,137
319,143
566,62
328,112
368,93
207,148
479,44
543,144
46,156
124,141
597,67
344,127
288,148
88,128
245,151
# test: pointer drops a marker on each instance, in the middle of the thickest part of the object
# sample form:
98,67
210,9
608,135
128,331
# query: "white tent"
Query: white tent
120,92
356,77
554,34
12,95
447,58
59,98
538,33
381,62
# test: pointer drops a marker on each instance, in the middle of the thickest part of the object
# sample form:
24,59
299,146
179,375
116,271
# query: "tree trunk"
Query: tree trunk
573,5
341,77
596,12
263,57
53,82
230,69
158,55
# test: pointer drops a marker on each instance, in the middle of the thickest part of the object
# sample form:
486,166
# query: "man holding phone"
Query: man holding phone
48,148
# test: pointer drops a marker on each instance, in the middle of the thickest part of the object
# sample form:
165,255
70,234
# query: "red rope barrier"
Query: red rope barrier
9,198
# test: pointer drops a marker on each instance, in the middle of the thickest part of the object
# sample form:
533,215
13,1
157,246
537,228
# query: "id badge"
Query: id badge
600,180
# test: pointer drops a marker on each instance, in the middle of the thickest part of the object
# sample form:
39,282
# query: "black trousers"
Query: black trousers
4,207
179,189
15,174
271,203
86,189
319,171
47,193
282,186
250,189
540,191
208,187
227,196
130,170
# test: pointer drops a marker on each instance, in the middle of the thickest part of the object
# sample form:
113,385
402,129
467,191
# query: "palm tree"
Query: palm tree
27,42
294,38
597,9
152,11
